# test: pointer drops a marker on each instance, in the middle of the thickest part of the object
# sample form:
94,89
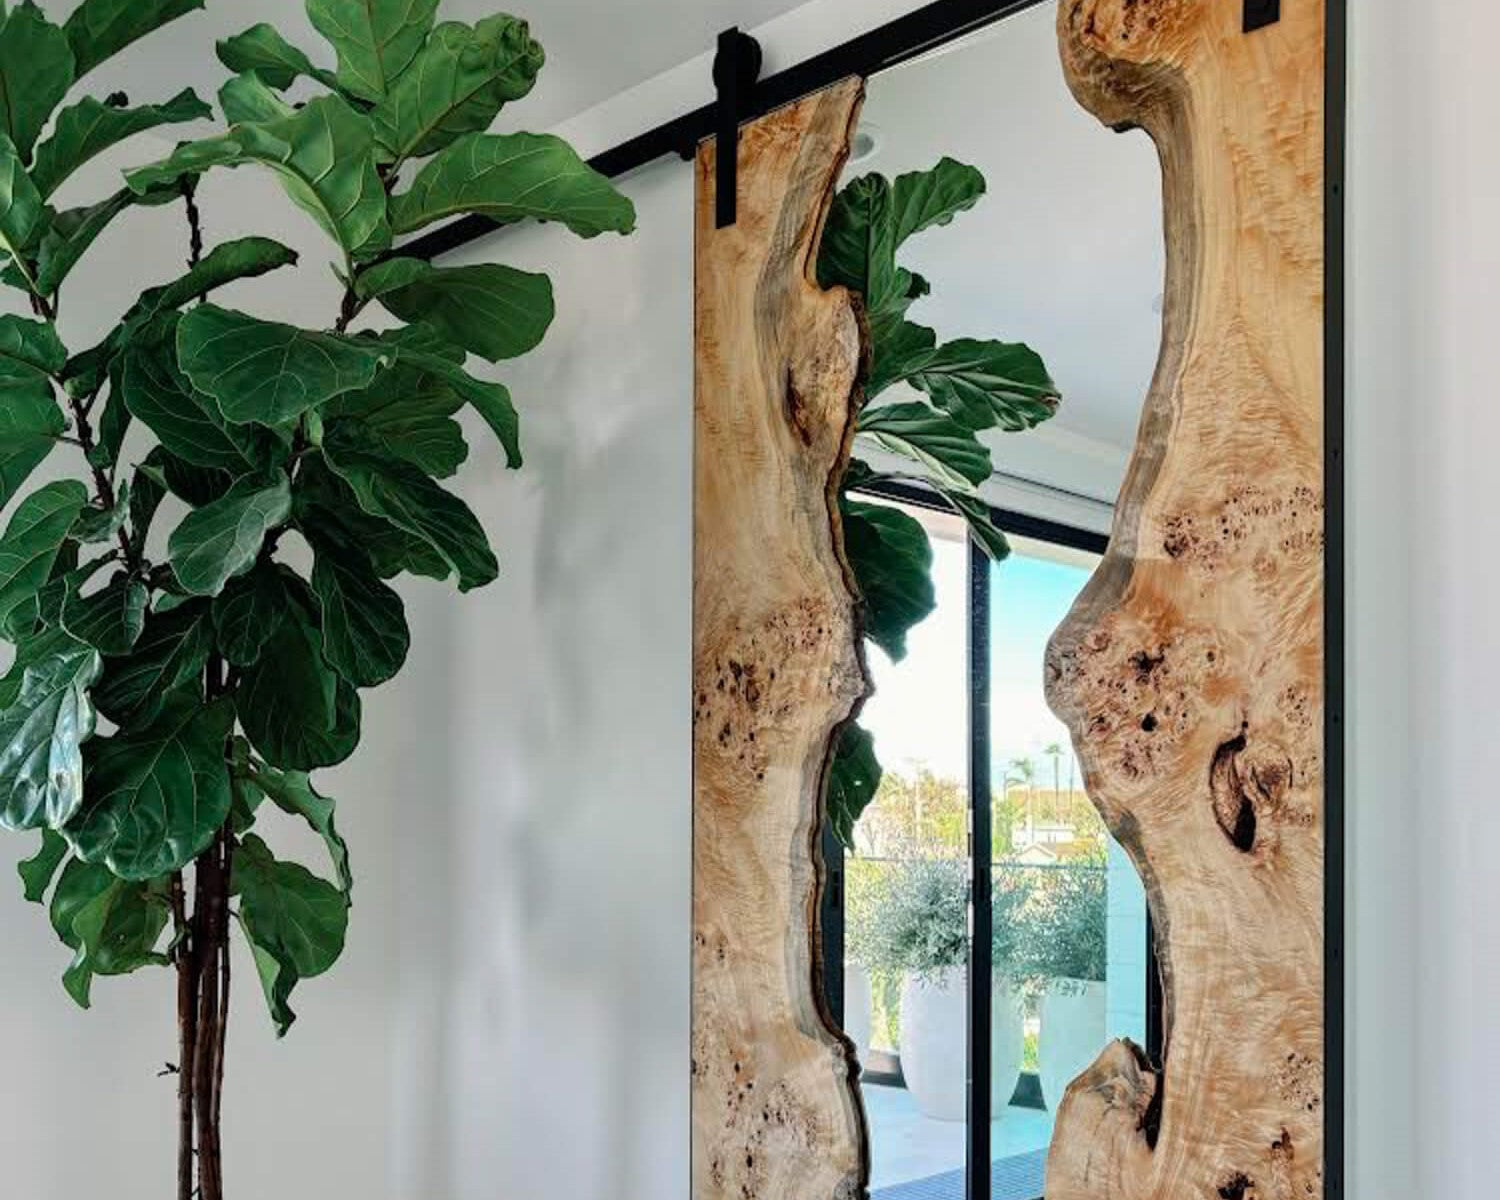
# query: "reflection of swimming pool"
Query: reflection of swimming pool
1016,1178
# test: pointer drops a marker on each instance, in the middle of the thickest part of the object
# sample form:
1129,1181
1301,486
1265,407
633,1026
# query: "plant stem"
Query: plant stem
211,920
187,1034
208,905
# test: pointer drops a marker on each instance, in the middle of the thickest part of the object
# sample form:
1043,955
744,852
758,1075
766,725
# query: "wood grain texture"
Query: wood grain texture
777,666
1191,669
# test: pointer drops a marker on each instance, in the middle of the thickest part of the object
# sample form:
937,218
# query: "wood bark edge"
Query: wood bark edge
1190,672
778,666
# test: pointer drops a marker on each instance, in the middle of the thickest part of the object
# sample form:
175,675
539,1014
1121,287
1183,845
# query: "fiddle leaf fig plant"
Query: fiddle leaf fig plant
201,592
926,406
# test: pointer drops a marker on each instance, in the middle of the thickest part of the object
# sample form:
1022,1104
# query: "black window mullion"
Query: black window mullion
981,853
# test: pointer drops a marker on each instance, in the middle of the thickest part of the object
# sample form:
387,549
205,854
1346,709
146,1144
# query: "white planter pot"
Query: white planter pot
934,1043
1072,1035
859,1002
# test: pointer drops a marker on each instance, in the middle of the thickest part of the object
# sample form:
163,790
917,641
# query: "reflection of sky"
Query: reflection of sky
919,711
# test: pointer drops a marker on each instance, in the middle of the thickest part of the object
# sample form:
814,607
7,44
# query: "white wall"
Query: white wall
1425,963
511,1017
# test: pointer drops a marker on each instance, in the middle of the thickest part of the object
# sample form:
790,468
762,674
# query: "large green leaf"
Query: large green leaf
294,921
169,655
415,347
113,926
324,154
215,543
265,372
410,412
38,871
365,637
187,421
99,29
262,50
294,794
491,310
459,81
74,230
32,616
897,348
156,795
110,619
22,209
36,71
89,127
30,424
947,451
247,612
922,199
421,348
375,40
240,258
982,528
29,350
892,563
324,502
853,779
250,99
30,421
295,710
97,523
42,730
402,495
511,177
985,383
147,491
33,539
858,250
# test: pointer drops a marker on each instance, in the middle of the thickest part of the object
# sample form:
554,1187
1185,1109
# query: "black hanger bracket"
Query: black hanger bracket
1260,13
736,70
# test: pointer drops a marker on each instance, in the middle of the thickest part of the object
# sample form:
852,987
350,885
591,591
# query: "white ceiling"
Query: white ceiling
595,48
1065,250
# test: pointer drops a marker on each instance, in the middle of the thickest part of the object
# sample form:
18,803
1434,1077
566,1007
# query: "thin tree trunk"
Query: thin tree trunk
211,911
187,1031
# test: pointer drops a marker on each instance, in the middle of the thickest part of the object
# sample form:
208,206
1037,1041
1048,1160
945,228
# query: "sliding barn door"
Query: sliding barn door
776,666
1191,671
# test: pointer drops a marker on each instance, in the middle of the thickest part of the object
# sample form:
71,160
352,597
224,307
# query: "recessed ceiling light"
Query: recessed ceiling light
866,144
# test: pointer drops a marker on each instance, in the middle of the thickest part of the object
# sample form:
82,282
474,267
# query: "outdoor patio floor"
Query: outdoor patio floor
916,1158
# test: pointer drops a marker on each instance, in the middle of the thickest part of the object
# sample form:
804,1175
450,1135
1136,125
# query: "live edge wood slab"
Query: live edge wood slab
1190,672
776,666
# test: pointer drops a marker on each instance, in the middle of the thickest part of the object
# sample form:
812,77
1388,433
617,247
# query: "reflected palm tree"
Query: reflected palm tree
1025,771
1055,753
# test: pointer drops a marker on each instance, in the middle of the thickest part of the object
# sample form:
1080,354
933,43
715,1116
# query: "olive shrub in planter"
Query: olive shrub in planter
917,928
173,670
1061,949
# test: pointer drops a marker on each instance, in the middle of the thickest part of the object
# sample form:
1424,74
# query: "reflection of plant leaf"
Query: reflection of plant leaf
853,778
946,450
891,558
922,199
983,384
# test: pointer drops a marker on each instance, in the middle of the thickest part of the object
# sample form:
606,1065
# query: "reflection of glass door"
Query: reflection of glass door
981,953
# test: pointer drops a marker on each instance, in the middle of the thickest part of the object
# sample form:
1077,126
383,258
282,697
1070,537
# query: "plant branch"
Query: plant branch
185,955
194,220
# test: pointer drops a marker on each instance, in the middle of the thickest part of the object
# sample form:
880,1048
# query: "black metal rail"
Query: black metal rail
885,46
